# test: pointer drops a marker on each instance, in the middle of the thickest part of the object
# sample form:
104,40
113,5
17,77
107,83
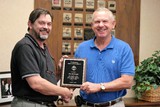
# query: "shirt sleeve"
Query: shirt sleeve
27,62
128,65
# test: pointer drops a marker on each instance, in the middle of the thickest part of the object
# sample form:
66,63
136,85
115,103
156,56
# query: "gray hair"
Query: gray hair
110,14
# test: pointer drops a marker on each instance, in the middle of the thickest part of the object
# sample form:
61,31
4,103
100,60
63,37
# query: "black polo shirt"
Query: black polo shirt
29,59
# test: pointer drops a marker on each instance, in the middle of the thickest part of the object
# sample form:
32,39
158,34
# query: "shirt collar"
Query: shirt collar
110,46
34,41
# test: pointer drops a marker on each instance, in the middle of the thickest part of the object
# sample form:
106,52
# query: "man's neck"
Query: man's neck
101,43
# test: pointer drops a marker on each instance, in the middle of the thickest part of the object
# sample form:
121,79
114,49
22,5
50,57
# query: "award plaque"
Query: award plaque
66,48
112,5
67,4
78,18
56,4
90,5
78,5
88,18
88,34
78,32
66,32
73,72
101,3
67,17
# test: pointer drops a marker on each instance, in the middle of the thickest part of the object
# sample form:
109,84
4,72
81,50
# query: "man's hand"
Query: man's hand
89,87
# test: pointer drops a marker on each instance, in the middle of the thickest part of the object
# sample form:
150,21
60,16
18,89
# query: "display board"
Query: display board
72,19
76,21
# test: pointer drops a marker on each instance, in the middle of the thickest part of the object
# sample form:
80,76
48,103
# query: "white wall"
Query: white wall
14,17
149,28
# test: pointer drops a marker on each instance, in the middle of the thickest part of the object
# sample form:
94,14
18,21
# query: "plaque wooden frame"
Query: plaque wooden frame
73,72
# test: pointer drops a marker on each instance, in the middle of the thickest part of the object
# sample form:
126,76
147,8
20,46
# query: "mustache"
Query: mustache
43,30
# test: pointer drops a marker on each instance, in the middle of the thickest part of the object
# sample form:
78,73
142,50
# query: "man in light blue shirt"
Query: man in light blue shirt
110,64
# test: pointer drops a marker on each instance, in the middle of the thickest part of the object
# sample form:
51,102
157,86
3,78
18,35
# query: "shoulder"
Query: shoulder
120,44
86,43
24,45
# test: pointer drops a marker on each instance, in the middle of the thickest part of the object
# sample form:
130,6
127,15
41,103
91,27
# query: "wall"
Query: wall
149,28
14,17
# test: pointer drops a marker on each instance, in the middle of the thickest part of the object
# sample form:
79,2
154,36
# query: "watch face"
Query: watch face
102,87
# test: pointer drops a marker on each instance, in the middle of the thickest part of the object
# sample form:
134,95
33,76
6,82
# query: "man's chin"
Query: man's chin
43,37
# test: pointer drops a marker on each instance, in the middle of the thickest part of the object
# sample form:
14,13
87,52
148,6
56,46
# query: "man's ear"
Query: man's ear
114,24
29,24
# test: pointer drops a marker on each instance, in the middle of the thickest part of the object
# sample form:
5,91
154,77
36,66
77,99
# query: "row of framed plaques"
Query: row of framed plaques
66,47
78,18
67,32
80,35
79,5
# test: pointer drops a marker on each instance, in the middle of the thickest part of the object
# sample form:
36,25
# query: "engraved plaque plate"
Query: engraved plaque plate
67,3
79,4
74,72
67,17
78,18
78,32
89,18
101,3
56,4
66,48
112,5
90,4
66,32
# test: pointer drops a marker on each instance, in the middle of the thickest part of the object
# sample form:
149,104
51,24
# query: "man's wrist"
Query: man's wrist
102,87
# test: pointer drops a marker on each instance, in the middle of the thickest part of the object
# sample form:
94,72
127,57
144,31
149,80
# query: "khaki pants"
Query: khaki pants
18,102
119,104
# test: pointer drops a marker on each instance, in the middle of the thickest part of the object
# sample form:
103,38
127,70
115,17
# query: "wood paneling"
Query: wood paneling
127,28
128,24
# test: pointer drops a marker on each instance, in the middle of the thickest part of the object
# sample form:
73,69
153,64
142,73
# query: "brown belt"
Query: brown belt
109,103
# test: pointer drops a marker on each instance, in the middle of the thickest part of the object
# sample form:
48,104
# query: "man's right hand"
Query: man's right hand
67,95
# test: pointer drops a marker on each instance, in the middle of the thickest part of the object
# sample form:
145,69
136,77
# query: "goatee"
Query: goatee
43,37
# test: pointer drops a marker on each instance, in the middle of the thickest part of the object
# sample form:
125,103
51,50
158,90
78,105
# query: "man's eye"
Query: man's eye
96,22
105,21
49,24
41,23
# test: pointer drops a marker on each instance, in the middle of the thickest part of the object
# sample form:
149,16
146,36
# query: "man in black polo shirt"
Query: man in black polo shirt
34,82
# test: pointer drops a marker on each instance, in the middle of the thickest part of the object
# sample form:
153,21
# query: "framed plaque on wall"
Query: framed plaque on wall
67,4
66,48
67,17
78,32
112,5
56,4
79,5
89,5
101,3
67,32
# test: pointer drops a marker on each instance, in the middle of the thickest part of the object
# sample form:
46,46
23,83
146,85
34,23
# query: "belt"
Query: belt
109,103
105,104
48,104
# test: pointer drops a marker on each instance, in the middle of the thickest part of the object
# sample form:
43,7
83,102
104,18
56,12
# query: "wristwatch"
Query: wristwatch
102,87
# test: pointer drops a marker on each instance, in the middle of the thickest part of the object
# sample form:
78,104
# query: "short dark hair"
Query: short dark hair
35,14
